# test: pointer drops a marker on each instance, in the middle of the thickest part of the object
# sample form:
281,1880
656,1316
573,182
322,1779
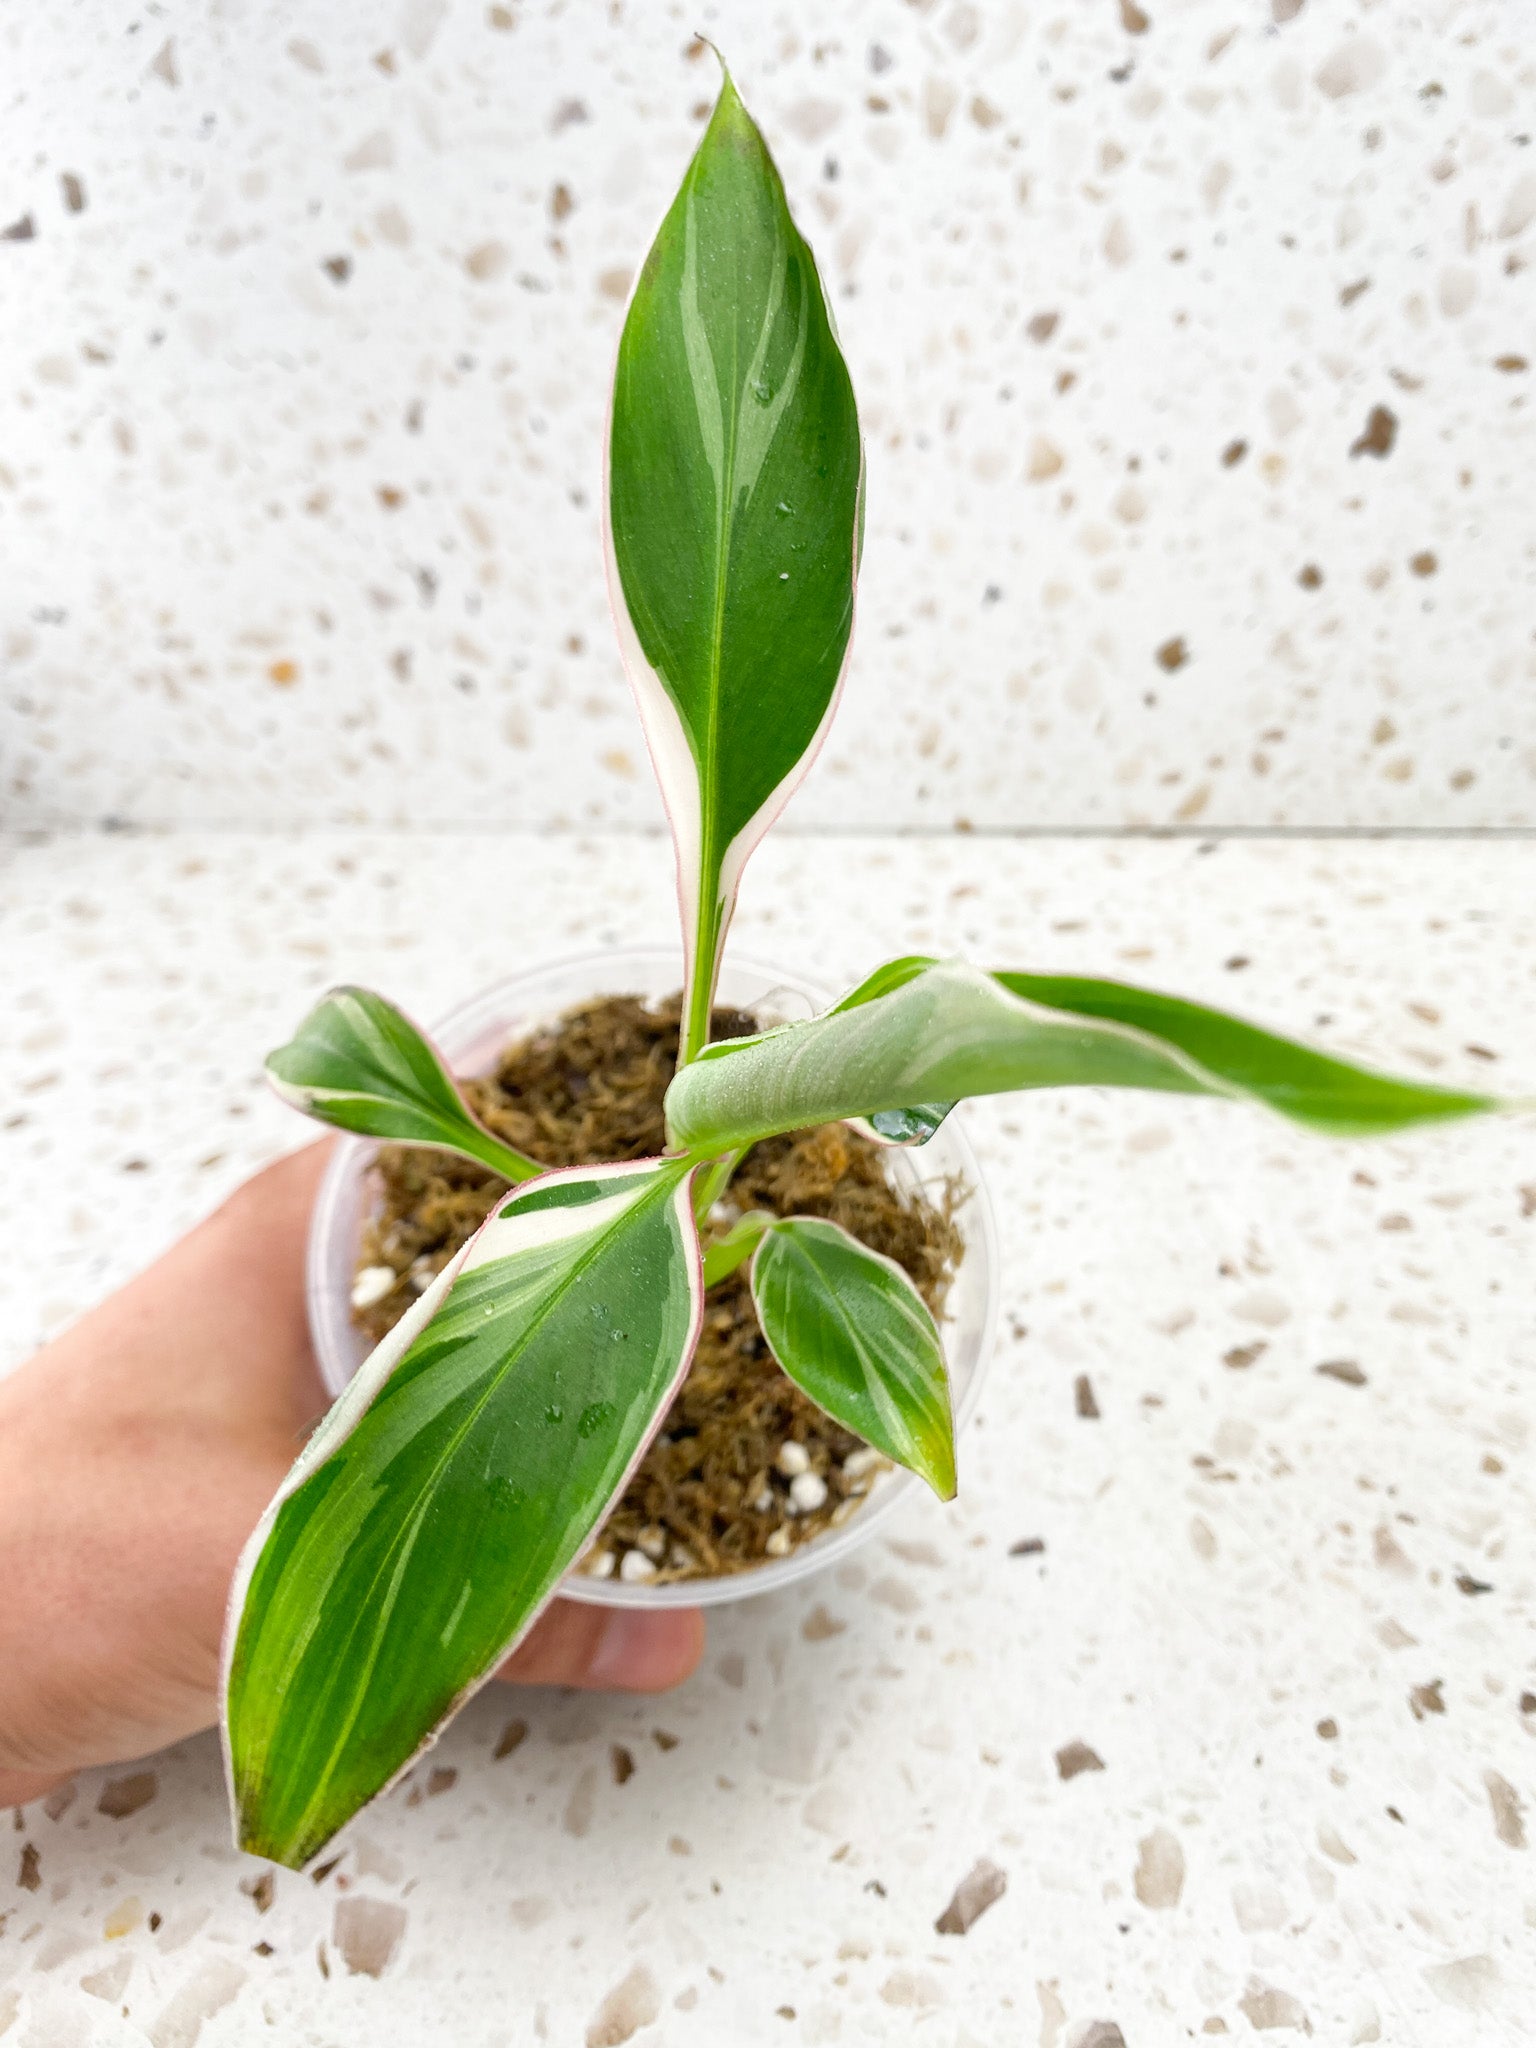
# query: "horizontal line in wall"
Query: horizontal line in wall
113,827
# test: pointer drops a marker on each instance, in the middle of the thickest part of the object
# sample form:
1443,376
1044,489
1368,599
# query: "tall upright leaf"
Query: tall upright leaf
432,1514
733,517
939,1030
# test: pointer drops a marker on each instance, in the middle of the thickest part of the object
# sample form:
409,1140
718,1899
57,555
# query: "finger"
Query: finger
608,1648
18,1787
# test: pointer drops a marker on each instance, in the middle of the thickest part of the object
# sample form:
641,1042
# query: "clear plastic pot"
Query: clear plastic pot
471,1039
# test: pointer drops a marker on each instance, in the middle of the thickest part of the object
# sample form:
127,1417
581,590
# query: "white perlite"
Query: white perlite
860,1462
636,1568
371,1286
807,1492
792,1459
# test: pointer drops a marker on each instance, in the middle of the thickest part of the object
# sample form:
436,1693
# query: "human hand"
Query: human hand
137,1453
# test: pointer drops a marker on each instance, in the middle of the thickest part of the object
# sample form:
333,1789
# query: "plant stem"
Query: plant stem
698,999
511,1165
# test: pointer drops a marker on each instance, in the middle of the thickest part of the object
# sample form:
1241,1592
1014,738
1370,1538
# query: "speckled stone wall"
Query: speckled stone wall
1194,343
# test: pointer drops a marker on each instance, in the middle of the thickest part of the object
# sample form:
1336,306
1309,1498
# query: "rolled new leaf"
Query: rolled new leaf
433,1513
854,1334
732,519
359,1063
940,1030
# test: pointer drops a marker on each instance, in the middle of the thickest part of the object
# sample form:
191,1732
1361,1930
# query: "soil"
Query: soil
710,1496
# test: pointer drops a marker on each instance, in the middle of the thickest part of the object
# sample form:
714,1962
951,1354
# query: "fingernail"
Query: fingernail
644,1652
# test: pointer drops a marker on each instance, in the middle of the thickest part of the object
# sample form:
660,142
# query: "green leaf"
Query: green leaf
359,1063
947,1030
733,519
854,1334
435,1510
734,1249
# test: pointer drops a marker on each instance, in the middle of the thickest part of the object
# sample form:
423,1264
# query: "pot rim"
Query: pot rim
536,994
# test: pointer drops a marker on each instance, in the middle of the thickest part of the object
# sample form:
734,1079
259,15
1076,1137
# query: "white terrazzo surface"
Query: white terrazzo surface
1232,1556
308,311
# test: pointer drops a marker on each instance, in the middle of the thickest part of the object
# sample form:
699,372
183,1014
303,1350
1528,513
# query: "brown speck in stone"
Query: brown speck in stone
1082,1395
577,1818
510,1737
983,113
1159,1878
284,673
982,1886
622,1763
614,284
1465,1583
261,1948
1132,19
1310,577
74,192
163,64
677,1846
1027,1546
1393,1814
260,1890
1379,435
1528,1703
1511,365
1099,2034
1241,1356
1076,1758
632,2004
561,203
1043,326
322,1871
154,1923
1426,1699
569,114
1172,654
1508,1814
663,1739
1344,1369
1328,1729
487,261
1480,1052
390,497
30,1875
1351,292
21,230
1268,2009
1045,461
123,1796
1233,454
367,1933
819,1626
1389,1553
1527,1195
337,268
1424,563
500,18
442,1778
1237,963
1285,10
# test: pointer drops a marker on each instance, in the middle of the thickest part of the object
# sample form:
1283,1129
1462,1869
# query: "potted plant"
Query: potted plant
471,1460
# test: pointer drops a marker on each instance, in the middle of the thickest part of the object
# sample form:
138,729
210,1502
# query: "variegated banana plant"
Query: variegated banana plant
433,1513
